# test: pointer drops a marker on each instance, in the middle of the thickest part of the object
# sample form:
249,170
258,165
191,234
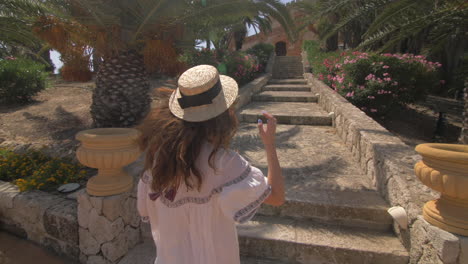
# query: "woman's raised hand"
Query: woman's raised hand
268,133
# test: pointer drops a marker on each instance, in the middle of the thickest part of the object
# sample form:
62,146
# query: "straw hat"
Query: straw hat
202,94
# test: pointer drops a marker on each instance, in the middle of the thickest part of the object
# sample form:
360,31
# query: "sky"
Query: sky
55,56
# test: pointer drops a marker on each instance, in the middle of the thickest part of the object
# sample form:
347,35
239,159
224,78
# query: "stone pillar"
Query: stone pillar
108,226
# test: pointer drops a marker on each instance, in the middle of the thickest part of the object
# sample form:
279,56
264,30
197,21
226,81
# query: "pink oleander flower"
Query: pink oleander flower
340,79
371,97
329,77
362,87
350,94
363,108
395,83
442,82
386,74
388,79
386,67
373,110
370,77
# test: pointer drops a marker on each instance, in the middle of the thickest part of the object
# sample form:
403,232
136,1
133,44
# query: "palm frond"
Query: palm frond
395,11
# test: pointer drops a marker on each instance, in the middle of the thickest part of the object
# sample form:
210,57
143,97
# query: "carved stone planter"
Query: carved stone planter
109,150
444,168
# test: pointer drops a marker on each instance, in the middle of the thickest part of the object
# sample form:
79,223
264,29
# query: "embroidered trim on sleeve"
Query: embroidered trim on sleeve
202,200
247,212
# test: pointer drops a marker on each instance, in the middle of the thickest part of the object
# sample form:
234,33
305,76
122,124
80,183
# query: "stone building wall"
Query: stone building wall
279,35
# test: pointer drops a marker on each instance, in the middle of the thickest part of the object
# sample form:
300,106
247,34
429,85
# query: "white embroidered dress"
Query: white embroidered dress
198,227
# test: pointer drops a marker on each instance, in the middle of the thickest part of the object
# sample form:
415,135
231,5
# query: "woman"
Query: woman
194,189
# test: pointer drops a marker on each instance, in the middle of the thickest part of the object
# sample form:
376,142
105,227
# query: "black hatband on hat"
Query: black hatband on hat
205,98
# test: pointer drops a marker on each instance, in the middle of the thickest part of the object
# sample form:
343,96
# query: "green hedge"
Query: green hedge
20,79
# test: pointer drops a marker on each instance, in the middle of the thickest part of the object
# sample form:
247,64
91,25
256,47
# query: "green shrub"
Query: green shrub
197,57
34,170
20,79
262,51
316,56
378,82
242,67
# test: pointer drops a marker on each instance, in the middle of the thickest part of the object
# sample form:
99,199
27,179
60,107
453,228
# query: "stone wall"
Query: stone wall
388,163
108,227
44,218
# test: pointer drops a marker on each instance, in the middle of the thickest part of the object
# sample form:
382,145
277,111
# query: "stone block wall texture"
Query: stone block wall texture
108,226
44,218
388,163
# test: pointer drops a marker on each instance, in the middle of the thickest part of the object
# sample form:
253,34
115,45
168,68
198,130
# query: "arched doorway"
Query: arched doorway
280,48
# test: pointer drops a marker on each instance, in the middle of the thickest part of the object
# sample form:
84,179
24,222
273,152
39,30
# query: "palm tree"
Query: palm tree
464,131
16,37
225,29
130,35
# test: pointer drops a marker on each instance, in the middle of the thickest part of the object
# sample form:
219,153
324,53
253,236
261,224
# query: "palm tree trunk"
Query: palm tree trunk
464,131
121,97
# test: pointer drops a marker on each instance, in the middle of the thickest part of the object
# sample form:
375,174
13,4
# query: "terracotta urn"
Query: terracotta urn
108,150
444,168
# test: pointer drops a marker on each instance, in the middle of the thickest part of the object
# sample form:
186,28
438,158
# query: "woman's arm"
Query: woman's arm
275,176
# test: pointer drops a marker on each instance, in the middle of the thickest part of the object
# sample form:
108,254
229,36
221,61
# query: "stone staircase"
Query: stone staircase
288,67
332,214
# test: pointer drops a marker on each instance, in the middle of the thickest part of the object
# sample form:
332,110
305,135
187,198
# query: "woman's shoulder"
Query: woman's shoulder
224,156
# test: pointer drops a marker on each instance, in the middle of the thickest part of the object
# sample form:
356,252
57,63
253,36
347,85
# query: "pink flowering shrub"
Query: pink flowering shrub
242,67
378,82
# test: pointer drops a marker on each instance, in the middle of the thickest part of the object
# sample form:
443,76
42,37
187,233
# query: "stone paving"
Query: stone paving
13,249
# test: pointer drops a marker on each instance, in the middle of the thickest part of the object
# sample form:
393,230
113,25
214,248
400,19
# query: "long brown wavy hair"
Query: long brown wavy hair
173,144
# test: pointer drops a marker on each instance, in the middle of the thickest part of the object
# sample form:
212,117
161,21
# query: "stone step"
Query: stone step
288,58
288,66
322,182
343,208
249,260
144,253
287,75
288,81
287,113
275,96
287,87
297,241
